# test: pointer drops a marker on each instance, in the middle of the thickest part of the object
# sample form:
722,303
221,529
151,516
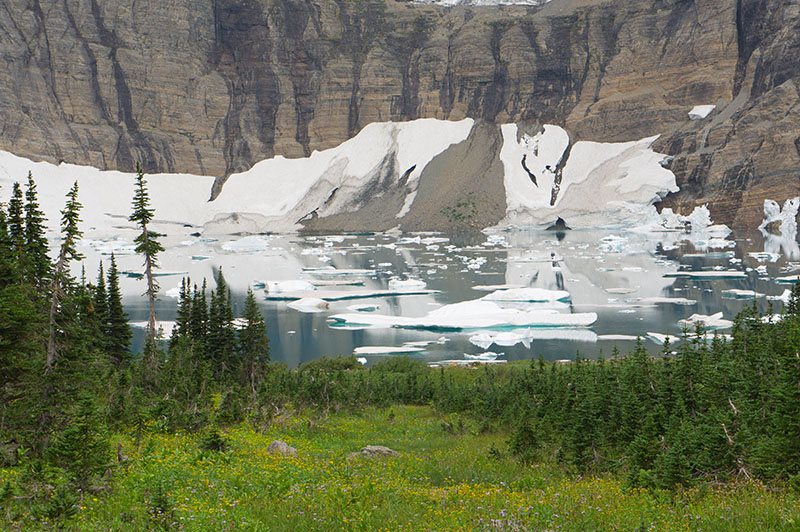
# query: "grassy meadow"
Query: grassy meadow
447,477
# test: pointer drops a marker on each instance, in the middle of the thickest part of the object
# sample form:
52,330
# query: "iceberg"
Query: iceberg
532,295
705,274
714,321
309,305
341,295
477,314
386,350
406,284
279,287
735,293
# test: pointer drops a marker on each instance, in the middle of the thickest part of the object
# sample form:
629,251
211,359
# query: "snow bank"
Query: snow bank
602,184
273,195
699,112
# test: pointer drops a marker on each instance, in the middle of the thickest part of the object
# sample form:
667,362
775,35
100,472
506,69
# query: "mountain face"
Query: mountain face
213,86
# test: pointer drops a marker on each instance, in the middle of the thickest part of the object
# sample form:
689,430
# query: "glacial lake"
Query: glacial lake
635,283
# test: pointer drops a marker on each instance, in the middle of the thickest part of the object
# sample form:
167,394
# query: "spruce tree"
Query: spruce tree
198,319
253,340
61,279
221,345
119,332
147,245
37,261
183,316
16,223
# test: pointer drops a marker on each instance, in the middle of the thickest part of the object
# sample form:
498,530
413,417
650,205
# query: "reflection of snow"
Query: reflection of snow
787,240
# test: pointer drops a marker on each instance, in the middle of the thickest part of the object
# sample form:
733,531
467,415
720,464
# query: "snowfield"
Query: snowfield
589,184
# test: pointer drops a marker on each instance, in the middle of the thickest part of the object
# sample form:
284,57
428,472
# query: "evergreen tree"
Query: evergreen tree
198,317
147,245
221,344
183,317
71,234
16,223
253,340
119,332
8,266
100,300
37,261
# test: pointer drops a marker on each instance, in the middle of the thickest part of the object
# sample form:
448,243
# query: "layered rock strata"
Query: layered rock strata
212,87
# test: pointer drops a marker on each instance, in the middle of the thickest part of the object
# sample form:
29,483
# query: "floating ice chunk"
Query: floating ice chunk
440,363
620,290
330,271
762,256
724,274
341,295
309,305
495,287
363,308
617,337
488,355
735,293
785,297
406,284
787,279
699,112
475,314
613,244
667,300
386,350
714,321
661,339
528,295
362,361
279,287
248,244
410,240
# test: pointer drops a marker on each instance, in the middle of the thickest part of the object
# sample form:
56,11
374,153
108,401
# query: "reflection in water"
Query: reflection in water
620,276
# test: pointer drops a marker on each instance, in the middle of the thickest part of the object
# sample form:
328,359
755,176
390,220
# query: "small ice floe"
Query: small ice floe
476,314
495,287
613,244
783,298
386,350
666,300
526,336
714,321
165,327
406,284
363,308
763,256
488,355
735,293
248,244
787,279
504,339
309,305
661,339
620,290
466,362
342,295
699,112
279,287
174,292
708,274
617,337
532,295
362,361
762,270
330,271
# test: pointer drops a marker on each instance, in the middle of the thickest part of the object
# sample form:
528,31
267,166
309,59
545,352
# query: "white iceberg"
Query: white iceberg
406,284
713,321
736,293
532,295
309,305
279,287
386,350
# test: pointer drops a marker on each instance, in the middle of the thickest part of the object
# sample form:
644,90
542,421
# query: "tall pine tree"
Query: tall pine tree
37,261
147,245
61,279
253,340
119,332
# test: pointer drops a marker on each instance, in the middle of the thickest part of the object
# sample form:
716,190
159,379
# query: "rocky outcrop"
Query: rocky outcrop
211,87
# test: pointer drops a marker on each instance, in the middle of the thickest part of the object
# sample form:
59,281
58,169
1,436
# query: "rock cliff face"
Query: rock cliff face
213,86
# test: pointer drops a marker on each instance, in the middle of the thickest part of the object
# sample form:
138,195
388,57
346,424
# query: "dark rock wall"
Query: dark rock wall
212,86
